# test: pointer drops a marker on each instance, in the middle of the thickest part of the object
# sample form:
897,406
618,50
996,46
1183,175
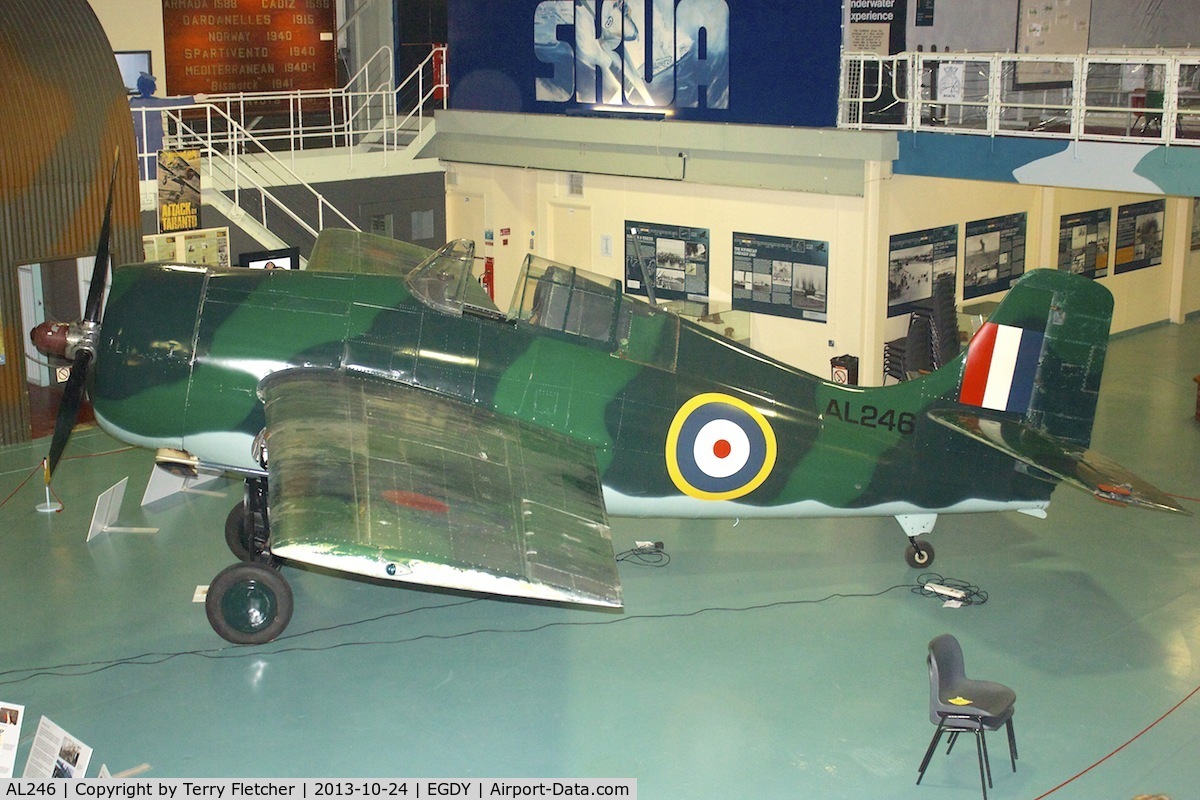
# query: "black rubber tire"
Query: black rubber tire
249,603
919,557
236,535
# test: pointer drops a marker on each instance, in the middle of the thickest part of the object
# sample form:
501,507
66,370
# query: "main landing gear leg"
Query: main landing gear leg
249,602
919,553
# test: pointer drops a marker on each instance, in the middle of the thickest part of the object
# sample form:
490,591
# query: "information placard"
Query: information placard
994,254
915,260
675,259
1196,223
1084,242
1140,235
56,754
11,715
780,276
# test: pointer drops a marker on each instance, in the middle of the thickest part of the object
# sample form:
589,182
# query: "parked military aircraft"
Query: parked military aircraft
390,421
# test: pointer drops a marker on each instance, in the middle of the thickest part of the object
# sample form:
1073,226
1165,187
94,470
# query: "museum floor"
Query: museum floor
766,660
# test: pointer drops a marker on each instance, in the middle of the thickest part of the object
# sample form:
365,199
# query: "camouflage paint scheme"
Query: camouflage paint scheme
183,352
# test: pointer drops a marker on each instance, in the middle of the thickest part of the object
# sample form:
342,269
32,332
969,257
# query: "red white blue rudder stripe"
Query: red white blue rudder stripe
1001,368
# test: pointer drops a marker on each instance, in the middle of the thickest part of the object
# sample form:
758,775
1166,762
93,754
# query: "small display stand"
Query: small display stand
163,484
108,508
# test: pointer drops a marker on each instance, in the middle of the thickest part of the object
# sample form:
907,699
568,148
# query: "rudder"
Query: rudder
1041,354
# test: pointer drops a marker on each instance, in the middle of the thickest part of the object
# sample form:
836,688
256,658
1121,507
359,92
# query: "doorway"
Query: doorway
54,291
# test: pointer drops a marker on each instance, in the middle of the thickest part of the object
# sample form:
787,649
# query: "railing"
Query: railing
242,136
1135,96
251,175
369,111
425,87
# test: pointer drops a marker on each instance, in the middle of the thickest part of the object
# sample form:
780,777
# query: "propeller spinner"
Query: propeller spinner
77,341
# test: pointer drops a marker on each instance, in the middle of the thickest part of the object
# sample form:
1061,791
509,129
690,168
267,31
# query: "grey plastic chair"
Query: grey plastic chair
958,704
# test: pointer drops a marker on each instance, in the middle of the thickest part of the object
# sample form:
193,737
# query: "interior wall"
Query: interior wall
991,25
526,202
1143,297
136,25
1190,295
521,206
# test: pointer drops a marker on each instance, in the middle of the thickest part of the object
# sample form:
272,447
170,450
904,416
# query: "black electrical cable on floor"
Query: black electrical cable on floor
258,651
971,595
646,556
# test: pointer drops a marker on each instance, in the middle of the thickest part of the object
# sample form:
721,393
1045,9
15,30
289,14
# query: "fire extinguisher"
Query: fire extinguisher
439,71
489,277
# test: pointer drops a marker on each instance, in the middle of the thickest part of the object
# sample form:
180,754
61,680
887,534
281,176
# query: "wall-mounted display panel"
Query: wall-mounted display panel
1196,223
1084,240
1140,235
673,257
993,254
781,276
915,260
208,247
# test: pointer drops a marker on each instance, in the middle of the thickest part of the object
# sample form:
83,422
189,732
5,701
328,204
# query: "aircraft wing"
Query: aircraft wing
385,480
1064,460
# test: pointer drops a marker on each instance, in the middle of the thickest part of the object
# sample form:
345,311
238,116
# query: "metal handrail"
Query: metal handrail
1134,97
347,110
225,127
437,90
229,151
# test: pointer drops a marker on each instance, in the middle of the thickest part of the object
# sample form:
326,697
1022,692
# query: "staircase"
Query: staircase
250,144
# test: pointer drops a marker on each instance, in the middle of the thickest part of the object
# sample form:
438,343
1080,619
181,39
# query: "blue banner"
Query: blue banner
770,63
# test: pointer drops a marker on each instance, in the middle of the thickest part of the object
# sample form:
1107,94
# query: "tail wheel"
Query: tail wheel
249,603
919,554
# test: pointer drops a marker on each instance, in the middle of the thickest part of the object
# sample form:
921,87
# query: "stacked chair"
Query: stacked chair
932,338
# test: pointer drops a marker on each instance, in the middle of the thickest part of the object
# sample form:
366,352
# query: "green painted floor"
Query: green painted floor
727,675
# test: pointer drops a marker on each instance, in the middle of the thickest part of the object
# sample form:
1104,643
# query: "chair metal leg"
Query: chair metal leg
987,762
953,738
983,784
1012,744
937,735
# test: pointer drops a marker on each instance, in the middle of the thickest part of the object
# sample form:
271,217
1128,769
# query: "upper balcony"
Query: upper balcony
1127,121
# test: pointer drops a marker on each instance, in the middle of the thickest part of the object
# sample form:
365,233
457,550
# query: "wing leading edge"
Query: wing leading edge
1079,466
388,481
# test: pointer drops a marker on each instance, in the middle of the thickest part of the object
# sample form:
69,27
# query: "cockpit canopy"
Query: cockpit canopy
444,281
573,301
555,297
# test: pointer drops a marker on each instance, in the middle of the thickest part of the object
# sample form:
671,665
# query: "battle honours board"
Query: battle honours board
221,46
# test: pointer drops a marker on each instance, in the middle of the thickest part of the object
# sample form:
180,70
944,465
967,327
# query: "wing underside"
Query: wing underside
384,480
1069,462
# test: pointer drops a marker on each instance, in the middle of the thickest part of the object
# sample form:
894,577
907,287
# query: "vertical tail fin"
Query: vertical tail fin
1041,354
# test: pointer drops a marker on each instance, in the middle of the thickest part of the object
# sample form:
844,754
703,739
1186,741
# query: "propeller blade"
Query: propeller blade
91,311
72,398
68,409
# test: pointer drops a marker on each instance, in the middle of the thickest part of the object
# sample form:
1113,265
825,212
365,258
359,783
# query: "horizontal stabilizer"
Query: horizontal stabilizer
1067,461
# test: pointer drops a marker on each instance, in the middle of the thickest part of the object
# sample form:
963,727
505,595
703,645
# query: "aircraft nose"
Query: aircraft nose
145,358
50,338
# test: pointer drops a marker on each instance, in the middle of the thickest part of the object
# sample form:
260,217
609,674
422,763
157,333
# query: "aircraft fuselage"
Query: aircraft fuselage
692,425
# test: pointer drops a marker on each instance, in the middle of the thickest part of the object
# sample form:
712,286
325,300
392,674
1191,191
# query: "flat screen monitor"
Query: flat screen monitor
133,63
283,258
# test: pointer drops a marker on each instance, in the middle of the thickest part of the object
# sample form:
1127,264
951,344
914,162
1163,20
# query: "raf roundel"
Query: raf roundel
719,447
